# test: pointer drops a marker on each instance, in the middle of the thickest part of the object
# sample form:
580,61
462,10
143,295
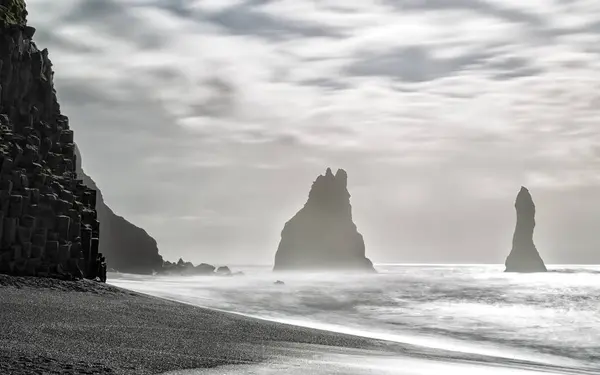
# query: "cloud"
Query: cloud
206,121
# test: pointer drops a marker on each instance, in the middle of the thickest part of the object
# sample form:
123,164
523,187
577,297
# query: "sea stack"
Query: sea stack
524,257
48,220
322,235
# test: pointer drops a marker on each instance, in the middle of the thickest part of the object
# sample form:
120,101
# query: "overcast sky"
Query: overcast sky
206,121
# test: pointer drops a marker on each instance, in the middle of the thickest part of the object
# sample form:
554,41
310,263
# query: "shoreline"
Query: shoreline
86,327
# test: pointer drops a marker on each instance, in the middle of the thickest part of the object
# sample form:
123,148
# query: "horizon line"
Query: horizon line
428,264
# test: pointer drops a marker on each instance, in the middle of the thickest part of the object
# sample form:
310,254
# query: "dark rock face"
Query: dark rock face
48,221
13,12
183,268
204,268
129,248
223,270
524,257
322,234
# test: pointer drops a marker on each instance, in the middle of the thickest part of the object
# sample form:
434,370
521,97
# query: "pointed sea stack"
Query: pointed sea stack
322,235
524,257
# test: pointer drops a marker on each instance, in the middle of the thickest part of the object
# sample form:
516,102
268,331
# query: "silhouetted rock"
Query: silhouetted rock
183,268
322,234
524,257
204,268
128,248
101,264
279,282
224,270
48,219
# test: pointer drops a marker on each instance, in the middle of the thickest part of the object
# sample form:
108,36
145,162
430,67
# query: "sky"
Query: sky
206,121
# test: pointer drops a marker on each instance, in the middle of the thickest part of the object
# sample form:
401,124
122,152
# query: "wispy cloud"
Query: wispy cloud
234,106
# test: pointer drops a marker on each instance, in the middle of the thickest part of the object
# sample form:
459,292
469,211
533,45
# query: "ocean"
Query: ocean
551,321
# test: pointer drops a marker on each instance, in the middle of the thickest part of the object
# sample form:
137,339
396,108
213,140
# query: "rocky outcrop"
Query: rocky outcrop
128,248
48,221
524,257
322,234
183,268
223,270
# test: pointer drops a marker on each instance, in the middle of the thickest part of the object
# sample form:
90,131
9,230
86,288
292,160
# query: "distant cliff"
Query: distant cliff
322,234
128,248
524,256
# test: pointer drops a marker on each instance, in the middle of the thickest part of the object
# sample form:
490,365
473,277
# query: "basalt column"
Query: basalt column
47,214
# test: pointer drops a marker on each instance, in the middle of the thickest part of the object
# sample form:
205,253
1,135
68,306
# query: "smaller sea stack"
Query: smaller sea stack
322,235
524,257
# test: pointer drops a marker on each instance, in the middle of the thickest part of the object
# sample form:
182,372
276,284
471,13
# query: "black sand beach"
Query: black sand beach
52,326
49,326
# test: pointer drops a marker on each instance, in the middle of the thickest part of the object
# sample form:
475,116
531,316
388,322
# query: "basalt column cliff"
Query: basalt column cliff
322,234
47,215
524,257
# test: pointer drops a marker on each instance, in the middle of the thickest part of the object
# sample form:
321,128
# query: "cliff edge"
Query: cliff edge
128,248
524,256
322,235
48,220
